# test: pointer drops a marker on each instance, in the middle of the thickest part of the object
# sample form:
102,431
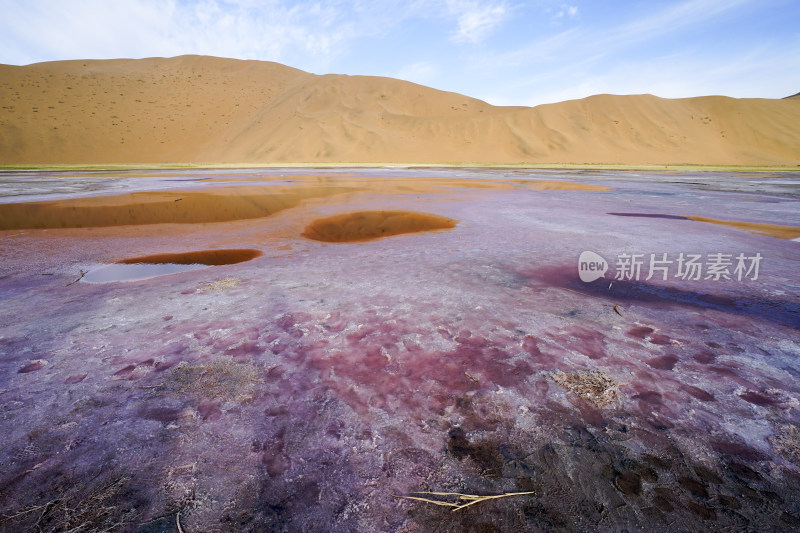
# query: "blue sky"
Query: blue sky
502,51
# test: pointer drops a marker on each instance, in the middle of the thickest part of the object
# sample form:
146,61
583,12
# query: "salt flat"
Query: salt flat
307,384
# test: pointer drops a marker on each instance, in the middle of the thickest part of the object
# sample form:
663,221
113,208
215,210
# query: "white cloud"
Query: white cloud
678,75
576,61
279,31
566,11
422,72
476,20
669,20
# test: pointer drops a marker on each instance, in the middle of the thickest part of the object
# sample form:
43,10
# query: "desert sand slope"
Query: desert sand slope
194,109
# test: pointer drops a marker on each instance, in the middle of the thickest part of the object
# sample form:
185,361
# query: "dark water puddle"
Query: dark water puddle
650,215
151,266
368,225
781,311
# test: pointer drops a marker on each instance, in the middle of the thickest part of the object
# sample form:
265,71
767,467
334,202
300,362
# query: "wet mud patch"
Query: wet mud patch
778,310
75,378
698,393
369,225
761,400
640,332
485,453
664,362
32,366
576,471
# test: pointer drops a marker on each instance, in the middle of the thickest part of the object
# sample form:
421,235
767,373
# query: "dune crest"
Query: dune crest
196,109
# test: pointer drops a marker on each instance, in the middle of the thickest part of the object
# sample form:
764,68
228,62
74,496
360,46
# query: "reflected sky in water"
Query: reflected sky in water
135,272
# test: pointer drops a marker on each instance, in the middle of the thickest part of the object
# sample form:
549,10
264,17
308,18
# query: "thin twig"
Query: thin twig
464,500
83,273
615,306
27,511
178,522
426,500
484,498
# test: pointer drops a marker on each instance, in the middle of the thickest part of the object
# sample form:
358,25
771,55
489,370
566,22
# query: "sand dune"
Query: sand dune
194,109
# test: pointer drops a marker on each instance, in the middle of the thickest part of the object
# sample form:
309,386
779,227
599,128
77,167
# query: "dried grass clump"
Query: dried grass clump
462,501
787,442
220,285
98,512
222,378
593,385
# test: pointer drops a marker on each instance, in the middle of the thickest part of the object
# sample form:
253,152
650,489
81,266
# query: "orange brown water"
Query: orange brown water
771,230
229,203
202,257
367,225
221,204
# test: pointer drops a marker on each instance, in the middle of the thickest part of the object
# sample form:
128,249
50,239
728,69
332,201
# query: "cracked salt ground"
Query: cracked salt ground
302,389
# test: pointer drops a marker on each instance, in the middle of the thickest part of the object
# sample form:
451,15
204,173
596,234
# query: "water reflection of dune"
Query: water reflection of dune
238,202
367,225
177,207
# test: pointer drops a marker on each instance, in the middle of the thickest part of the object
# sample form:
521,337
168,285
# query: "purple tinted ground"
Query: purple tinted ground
330,378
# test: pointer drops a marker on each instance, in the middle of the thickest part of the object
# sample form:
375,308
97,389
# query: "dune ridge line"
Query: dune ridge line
208,110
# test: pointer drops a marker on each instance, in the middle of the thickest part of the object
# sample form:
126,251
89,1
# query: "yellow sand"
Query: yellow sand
195,109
